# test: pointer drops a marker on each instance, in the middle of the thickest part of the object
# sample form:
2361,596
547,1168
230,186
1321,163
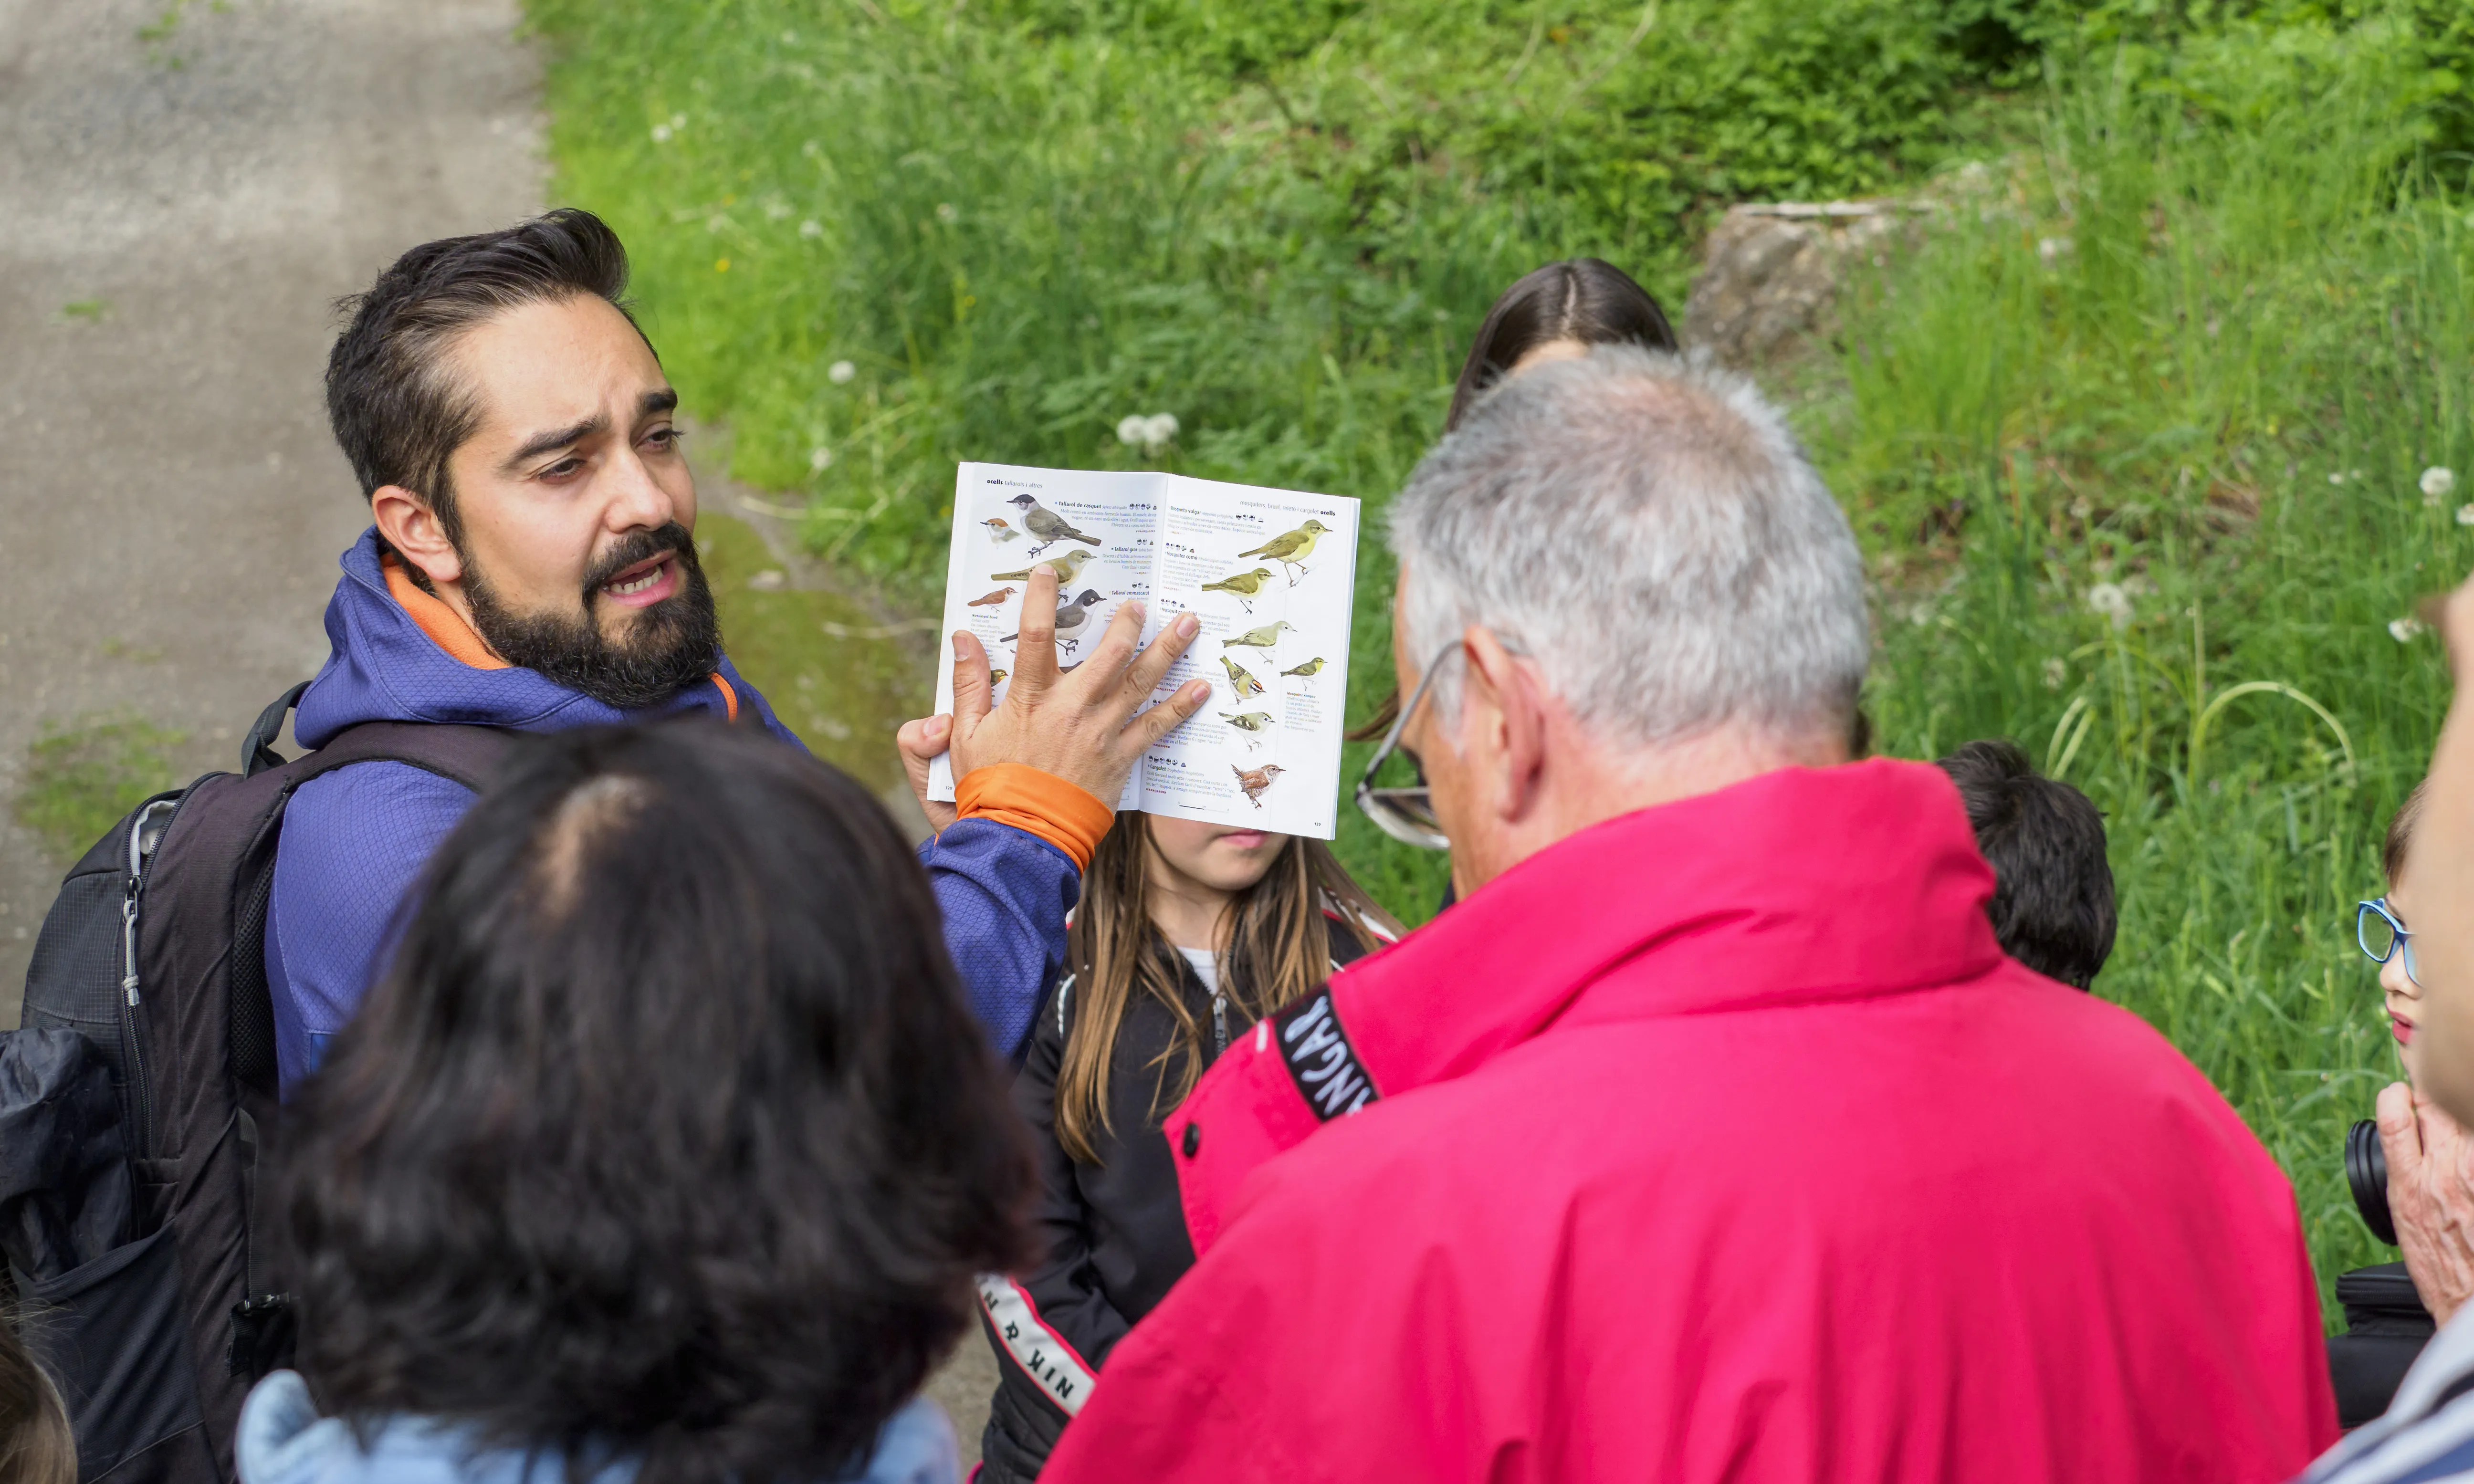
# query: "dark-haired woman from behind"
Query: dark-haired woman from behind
1187,934
664,1154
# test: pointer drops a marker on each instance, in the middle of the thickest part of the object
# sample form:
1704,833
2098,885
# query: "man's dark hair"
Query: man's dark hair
396,411
2052,889
667,1133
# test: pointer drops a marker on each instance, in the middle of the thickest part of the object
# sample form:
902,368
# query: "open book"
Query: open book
1271,573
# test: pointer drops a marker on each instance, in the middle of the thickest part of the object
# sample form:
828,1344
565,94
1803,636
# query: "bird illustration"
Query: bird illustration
996,677
999,531
1244,684
1290,549
1069,620
1313,667
1241,586
997,597
1249,723
1254,780
1262,637
1065,566
1047,525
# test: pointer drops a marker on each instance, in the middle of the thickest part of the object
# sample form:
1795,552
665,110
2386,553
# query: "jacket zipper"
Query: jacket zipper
141,1086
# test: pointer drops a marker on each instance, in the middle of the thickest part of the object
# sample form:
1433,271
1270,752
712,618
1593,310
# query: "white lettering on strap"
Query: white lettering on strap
1042,1354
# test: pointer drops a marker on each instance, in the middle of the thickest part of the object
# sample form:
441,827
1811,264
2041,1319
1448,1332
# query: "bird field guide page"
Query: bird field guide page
1271,573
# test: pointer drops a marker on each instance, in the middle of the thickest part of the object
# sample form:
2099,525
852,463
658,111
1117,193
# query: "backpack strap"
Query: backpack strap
467,755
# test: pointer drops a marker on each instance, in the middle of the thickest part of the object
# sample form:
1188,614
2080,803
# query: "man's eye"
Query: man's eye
563,468
664,439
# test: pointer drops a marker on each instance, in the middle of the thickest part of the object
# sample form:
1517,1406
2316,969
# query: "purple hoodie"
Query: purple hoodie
354,841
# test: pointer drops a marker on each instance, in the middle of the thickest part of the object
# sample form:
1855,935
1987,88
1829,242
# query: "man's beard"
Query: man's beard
671,645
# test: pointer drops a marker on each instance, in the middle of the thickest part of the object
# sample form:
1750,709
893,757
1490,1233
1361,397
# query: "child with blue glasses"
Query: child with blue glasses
2380,927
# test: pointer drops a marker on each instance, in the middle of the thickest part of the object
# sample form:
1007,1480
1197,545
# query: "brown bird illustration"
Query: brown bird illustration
1047,525
999,531
1254,780
997,597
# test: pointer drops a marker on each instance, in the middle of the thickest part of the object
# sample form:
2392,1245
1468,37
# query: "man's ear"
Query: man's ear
1502,701
406,523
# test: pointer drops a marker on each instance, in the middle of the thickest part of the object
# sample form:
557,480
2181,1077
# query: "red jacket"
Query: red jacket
1720,1141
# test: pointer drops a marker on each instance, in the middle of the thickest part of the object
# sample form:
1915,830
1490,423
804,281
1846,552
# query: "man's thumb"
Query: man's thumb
2400,1133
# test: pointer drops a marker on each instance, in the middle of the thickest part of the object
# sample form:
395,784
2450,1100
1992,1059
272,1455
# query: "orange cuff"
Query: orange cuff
1062,813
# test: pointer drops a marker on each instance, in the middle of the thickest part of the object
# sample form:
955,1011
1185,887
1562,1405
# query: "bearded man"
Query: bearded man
532,565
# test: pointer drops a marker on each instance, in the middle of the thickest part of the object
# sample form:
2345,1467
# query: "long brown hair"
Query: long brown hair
1279,951
35,1447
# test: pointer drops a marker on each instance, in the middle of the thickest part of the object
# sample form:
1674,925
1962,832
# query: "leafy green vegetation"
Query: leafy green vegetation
80,782
2133,429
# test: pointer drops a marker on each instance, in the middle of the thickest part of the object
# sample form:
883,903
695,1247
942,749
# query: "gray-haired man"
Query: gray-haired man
1710,1136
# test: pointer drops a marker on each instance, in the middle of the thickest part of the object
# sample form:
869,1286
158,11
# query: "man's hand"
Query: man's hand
2431,1197
1087,728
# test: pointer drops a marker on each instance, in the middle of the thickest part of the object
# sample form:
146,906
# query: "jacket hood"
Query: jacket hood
381,666
1799,886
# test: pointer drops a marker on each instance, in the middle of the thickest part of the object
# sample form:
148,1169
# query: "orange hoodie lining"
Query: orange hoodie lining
445,626
1062,813
447,630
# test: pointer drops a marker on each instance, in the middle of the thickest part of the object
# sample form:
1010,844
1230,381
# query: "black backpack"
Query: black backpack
137,1098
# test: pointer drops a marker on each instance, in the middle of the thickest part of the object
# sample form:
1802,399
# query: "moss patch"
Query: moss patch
80,782
821,658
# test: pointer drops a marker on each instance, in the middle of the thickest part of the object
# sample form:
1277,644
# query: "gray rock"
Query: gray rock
1771,274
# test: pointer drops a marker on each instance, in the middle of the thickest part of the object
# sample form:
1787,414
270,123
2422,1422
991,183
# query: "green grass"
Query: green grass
2214,262
80,782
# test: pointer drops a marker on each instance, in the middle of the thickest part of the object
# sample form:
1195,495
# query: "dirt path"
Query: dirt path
185,190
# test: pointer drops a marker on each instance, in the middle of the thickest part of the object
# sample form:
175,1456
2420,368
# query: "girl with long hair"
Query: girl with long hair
1187,934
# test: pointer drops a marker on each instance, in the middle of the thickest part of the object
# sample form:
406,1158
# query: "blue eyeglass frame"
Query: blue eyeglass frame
2403,942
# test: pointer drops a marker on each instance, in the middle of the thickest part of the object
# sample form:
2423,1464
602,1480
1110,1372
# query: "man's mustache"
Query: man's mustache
671,539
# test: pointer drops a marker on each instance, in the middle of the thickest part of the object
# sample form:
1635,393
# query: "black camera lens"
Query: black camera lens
2367,1172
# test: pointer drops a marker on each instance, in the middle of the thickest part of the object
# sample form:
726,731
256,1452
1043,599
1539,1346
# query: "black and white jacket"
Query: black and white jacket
1114,1232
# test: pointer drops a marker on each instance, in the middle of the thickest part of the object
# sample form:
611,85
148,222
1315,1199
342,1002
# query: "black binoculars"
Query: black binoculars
2367,1174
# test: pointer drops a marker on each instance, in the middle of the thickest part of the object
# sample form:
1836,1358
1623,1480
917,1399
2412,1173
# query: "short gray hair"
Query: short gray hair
1648,532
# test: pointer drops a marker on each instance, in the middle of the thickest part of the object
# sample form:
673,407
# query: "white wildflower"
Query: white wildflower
661,134
2465,514
2337,477
812,228
2108,599
2437,483
2049,249
2057,671
945,212
840,372
819,460
1133,430
2403,630
1159,427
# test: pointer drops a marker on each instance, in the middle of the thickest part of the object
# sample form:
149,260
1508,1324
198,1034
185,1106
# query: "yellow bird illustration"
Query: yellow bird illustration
1313,667
1241,586
1290,549
1243,683
1065,566
1262,637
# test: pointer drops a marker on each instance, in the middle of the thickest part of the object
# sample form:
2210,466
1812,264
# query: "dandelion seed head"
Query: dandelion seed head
678,121
2437,481
819,460
2109,599
2337,477
840,372
2403,630
661,134
1159,427
1133,430
2057,671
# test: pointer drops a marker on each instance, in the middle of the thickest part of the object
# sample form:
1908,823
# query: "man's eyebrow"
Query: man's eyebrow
551,442
664,400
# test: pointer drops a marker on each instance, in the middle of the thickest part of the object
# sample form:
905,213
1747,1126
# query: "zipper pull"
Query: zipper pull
129,943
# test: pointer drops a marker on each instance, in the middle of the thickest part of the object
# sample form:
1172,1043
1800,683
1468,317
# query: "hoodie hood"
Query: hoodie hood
382,665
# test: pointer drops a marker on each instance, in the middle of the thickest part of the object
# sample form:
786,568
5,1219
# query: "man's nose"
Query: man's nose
637,499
